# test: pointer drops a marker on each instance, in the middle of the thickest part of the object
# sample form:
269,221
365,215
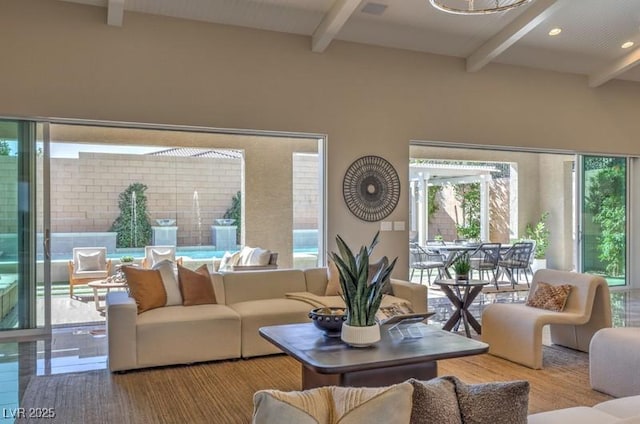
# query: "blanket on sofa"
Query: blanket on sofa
315,300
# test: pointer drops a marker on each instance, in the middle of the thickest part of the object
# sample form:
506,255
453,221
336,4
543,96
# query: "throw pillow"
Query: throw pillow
373,268
168,273
89,261
195,286
435,401
259,257
161,255
346,405
333,280
547,296
229,260
495,403
245,255
146,287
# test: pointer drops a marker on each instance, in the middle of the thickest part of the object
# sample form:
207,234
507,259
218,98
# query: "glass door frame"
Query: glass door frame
37,328
632,202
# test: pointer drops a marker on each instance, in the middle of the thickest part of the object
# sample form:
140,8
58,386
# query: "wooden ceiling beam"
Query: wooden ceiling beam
115,12
614,69
332,23
523,24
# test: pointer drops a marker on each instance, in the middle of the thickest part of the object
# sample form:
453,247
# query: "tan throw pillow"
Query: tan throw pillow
195,286
547,296
324,405
146,287
89,262
333,280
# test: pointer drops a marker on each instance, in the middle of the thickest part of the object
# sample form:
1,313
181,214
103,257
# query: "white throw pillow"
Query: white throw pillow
161,255
169,274
245,255
228,261
260,257
89,262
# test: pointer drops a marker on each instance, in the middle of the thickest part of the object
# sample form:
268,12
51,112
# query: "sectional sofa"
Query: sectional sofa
246,301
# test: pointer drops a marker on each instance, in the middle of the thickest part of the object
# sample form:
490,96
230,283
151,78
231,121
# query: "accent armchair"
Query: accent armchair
514,331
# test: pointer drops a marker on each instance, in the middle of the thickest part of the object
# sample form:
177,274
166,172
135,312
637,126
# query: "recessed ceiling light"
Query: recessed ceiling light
627,44
555,31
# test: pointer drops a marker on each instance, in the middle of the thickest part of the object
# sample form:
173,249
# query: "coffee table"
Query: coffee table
328,361
103,284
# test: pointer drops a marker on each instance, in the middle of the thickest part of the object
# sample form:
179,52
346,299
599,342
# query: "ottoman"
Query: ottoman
614,361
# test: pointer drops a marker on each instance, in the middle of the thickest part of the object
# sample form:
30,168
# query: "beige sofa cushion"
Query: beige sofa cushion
200,333
260,313
256,285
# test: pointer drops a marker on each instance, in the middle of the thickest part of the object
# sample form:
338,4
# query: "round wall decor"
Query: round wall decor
371,188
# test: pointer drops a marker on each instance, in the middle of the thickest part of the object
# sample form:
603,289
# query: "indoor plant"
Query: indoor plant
462,266
127,259
362,293
539,233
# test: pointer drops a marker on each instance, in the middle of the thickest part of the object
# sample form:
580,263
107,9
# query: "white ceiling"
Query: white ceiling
592,30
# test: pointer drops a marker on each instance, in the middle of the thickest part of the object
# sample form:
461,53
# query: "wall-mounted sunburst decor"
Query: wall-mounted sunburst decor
371,188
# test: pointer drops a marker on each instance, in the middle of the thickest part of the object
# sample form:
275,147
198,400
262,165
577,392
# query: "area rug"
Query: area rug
222,392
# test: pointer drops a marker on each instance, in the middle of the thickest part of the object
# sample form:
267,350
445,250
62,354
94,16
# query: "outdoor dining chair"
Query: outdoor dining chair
485,259
516,259
423,259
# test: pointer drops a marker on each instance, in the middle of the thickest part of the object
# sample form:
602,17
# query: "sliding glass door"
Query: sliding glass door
21,228
603,218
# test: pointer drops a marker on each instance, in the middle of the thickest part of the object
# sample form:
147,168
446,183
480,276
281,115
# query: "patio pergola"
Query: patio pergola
423,175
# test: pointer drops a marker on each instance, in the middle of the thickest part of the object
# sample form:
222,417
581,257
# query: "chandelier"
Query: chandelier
476,7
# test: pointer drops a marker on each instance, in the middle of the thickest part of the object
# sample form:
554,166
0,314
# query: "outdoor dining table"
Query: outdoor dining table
452,252
455,250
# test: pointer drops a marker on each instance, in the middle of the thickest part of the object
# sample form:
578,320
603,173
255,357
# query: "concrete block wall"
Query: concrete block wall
85,191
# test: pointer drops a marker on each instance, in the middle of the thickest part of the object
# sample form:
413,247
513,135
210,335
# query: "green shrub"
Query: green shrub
132,233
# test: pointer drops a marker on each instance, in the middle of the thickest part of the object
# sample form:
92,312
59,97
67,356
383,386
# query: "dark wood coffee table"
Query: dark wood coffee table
328,361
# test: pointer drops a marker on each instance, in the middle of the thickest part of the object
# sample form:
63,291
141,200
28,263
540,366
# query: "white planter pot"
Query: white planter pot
538,264
360,336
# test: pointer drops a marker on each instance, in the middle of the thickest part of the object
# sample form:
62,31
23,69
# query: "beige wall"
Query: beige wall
66,62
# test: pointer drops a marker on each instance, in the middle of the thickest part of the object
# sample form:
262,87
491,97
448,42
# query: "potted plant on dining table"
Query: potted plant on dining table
362,292
462,267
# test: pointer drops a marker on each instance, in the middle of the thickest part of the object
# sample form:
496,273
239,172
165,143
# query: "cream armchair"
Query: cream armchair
155,254
514,331
88,264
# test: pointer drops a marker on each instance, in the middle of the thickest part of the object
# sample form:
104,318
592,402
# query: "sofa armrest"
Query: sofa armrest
122,315
414,293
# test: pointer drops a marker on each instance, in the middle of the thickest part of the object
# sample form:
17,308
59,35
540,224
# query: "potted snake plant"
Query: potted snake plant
362,292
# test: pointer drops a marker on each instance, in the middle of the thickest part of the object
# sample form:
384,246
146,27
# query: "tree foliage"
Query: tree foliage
132,231
5,149
235,212
606,202
469,197
540,234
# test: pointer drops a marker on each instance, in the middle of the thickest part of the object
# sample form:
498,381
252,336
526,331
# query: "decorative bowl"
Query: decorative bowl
165,222
329,319
225,221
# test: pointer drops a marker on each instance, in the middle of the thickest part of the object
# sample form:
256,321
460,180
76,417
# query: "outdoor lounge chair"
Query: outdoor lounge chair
88,264
155,254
